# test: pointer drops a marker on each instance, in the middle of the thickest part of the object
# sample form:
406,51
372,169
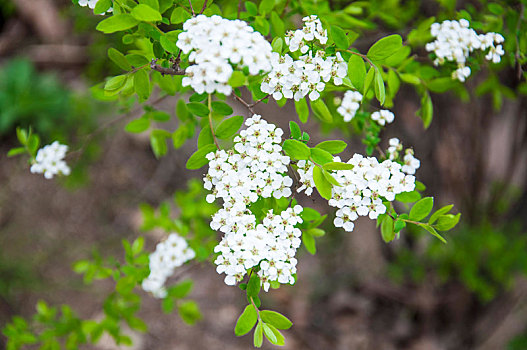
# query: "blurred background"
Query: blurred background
356,293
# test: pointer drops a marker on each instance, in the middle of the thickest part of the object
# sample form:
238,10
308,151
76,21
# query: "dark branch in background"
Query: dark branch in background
164,70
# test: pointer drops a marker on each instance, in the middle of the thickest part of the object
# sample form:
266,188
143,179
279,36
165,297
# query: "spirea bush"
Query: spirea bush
245,217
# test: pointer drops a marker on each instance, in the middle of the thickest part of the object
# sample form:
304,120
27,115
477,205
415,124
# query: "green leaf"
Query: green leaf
266,6
229,127
302,110
197,159
142,84
330,178
258,335
380,93
145,13
357,72
21,135
433,232
117,23
189,312
296,149
269,334
408,197
332,146
16,151
168,45
337,166
321,110
410,78
316,232
277,44
246,321
296,133
237,79
320,156
277,25
441,85
181,290
158,141
276,319
339,37
119,59
138,125
280,341
32,143
182,111
253,287
398,57
440,212
322,184
205,137
427,110
447,222
198,109
385,47
421,209
387,229
221,108
115,83
179,15
368,80
309,242
137,324
102,6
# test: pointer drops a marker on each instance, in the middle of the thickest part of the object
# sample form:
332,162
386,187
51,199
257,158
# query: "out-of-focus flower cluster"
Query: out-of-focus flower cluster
297,78
169,254
350,105
217,46
50,161
455,40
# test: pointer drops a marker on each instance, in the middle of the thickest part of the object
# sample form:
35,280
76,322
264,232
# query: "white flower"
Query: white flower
350,105
91,4
169,254
383,117
218,46
454,41
50,161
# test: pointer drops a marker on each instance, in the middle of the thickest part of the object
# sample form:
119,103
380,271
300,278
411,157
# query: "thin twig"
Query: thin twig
242,101
192,8
204,7
239,8
164,70
260,100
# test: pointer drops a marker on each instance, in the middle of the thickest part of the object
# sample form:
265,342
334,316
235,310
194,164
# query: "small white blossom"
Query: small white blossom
218,46
454,41
350,105
169,254
383,117
50,161
91,4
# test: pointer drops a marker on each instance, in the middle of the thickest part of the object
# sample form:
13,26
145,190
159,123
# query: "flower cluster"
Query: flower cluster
50,161
169,254
300,38
350,105
295,79
410,163
255,168
91,4
383,117
455,41
362,189
217,46
271,244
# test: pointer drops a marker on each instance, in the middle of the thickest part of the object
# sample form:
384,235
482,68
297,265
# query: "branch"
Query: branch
246,105
204,7
164,70
210,122
192,8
